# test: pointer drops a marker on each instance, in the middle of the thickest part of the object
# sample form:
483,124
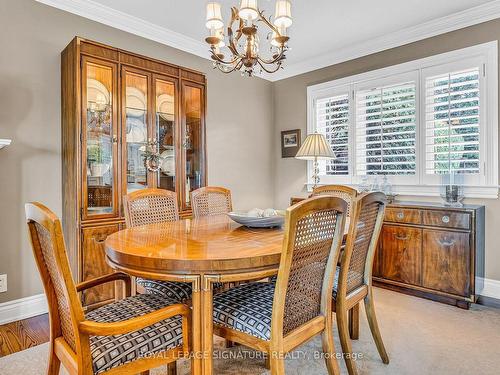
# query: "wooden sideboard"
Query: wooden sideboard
431,251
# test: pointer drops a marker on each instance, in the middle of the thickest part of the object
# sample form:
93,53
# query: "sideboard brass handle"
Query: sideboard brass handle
400,215
445,219
445,242
401,237
100,240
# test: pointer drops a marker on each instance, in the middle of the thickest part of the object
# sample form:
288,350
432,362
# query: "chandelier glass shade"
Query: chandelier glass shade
242,43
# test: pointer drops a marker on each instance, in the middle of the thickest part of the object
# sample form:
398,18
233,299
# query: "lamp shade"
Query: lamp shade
248,10
315,146
214,16
283,14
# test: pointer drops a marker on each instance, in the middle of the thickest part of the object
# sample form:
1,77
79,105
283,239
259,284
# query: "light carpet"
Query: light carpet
421,337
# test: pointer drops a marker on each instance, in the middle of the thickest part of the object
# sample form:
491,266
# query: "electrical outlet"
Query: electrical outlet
3,283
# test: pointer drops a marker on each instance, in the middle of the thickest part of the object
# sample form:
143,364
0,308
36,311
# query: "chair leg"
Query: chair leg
345,340
54,363
329,348
172,368
372,321
267,363
277,365
354,322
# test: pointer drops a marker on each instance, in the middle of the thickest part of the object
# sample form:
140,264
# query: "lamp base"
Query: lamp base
315,175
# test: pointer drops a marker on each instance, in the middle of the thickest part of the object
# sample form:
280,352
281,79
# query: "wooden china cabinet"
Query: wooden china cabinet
118,110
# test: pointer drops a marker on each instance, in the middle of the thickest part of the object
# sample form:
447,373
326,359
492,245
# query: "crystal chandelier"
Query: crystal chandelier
243,40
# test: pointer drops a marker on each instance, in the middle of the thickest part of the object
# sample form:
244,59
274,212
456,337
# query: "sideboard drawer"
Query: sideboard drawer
447,219
403,215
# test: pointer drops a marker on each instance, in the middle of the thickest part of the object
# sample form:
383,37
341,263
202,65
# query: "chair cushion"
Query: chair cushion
172,290
246,308
336,283
112,351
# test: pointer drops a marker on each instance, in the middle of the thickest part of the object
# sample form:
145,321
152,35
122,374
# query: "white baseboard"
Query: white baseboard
491,289
23,308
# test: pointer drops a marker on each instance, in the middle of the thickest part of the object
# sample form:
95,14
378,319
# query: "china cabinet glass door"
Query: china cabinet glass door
135,120
192,139
99,137
166,131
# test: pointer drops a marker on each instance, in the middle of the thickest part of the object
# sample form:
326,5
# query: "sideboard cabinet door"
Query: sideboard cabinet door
446,261
94,263
400,256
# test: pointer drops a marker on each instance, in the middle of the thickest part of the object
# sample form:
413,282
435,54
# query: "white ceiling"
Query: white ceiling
323,31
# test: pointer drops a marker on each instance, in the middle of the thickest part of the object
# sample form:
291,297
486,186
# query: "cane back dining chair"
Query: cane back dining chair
353,279
277,317
128,336
151,206
347,193
211,200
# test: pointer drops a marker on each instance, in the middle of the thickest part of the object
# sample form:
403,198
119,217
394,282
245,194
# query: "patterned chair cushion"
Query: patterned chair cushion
246,308
171,290
112,351
176,291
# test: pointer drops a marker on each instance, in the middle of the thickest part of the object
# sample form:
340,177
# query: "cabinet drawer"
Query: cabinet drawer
94,263
447,219
403,215
446,261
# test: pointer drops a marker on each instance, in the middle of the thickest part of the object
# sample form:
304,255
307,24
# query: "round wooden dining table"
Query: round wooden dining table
201,251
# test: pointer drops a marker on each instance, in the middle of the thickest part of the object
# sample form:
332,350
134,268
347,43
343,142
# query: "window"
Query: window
414,123
333,121
386,130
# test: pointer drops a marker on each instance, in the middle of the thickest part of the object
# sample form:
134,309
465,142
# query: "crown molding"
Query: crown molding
131,24
125,22
455,21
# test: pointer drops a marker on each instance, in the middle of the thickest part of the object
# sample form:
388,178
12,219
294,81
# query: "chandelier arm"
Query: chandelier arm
280,57
234,39
262,18
223,69
220,60
278,66
230,69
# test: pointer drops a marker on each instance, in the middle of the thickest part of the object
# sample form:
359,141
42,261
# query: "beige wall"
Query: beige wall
239,132
290,113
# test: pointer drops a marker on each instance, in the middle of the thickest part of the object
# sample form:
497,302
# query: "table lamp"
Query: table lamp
315,147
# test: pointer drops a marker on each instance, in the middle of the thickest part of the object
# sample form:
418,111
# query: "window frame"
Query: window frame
424,185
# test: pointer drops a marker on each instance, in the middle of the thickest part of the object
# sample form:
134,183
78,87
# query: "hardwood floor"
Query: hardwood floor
23,334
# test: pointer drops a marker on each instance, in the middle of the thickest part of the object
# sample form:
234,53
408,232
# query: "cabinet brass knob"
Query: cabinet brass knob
400,215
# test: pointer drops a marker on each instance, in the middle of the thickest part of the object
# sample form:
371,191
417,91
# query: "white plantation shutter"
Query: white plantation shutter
452,111
386,130
415,123
332,120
